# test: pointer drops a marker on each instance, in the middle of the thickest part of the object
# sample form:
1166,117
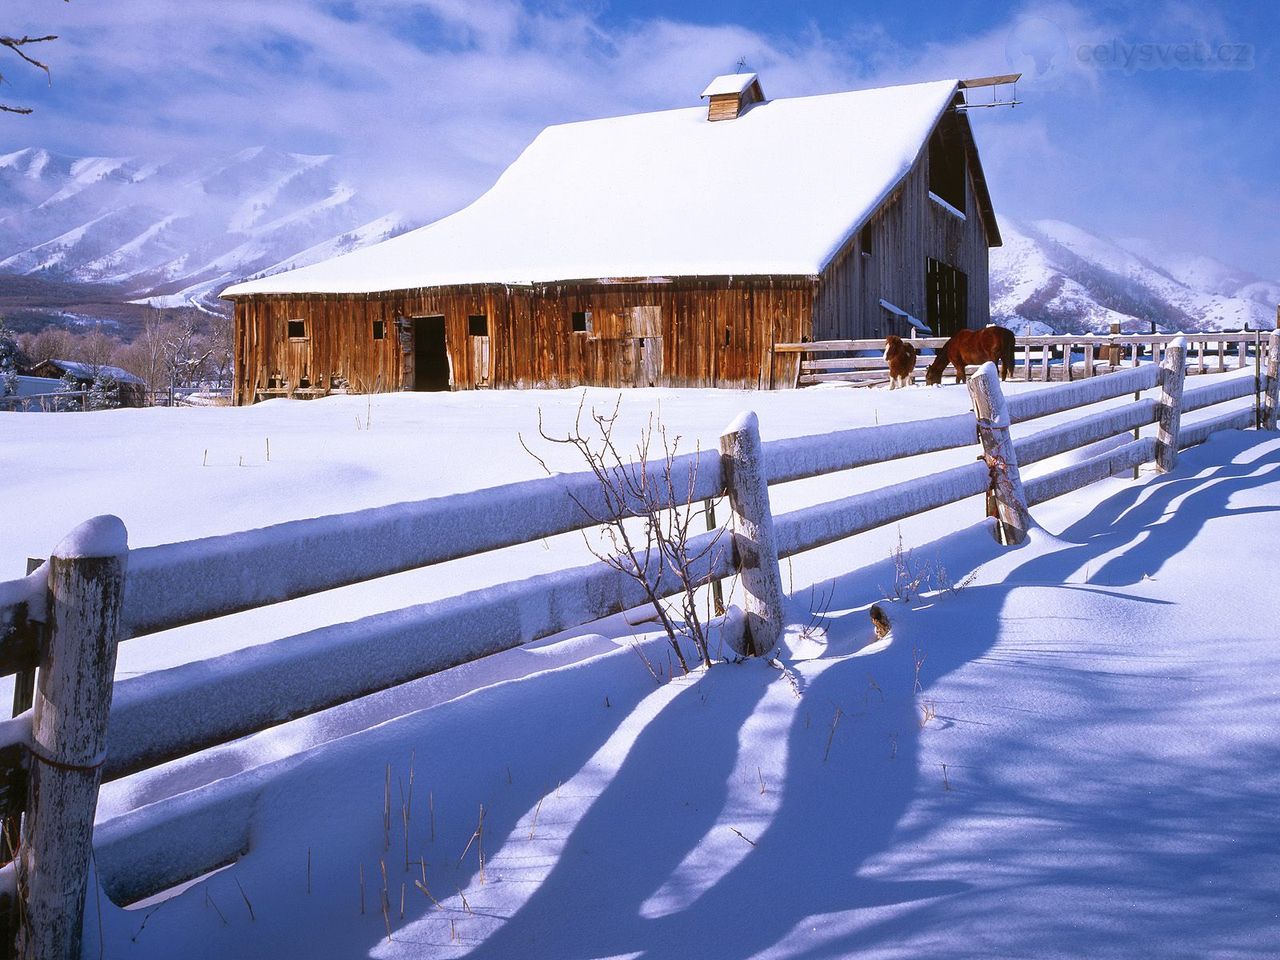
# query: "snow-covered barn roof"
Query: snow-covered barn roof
776,191
85,371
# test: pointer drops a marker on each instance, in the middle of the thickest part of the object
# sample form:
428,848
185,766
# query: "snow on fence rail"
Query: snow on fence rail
1037,358
67,616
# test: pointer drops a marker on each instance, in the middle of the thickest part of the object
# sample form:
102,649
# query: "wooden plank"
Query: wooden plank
1047,486
990,81
857,363
853,376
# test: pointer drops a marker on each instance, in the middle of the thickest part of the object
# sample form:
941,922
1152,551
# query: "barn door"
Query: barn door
431,370
642,355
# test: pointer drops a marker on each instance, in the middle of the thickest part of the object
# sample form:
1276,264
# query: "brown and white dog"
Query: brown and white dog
901,357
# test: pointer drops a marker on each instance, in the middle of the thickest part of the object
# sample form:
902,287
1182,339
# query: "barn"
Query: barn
660,249
130,391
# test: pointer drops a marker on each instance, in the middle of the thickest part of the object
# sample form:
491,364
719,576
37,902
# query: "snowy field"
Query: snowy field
1072,753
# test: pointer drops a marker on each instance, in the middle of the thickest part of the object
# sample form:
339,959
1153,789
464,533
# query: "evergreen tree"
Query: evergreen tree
69,385
10,357
104,394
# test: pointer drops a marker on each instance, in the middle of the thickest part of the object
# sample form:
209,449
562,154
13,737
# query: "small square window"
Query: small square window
379,329
478,325
581,321
297,329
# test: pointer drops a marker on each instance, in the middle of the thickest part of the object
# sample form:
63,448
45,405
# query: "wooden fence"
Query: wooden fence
67,616
1049,358
46,402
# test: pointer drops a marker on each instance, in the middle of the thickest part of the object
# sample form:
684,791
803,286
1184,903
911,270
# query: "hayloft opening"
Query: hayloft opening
478,325
297,329
379,329
580,321
947,162
430,354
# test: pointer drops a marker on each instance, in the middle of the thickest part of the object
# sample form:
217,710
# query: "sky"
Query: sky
1153,120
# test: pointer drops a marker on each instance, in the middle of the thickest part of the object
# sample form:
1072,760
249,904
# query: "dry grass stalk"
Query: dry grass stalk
743,836
246,898
536,810
928,710
423,887
386,900
835,722
386,810
946,784
362,889
465,904
208,902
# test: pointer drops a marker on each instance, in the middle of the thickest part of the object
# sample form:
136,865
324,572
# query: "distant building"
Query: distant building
132,390
661,249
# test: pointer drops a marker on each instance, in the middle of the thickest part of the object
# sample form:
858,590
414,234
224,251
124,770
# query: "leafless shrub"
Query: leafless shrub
633,486
912,577
819,607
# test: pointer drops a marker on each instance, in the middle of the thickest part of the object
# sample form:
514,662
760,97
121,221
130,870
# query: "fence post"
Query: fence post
993,431
68,734
755,549
1273,382
1173,371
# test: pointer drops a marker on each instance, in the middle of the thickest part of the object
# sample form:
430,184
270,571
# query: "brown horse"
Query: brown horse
992,343
901,357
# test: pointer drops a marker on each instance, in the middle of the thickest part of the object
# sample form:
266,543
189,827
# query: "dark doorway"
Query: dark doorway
430,354
947,298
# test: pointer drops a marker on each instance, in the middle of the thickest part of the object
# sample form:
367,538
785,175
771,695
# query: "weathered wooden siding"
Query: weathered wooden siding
907,229
689,332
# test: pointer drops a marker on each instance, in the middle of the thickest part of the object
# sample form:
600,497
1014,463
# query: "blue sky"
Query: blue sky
1155,120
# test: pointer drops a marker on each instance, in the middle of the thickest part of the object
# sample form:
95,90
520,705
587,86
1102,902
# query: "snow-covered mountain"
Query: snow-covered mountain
1054,277
175,231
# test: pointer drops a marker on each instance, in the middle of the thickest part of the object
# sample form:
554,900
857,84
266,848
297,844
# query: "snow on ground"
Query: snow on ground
1071,754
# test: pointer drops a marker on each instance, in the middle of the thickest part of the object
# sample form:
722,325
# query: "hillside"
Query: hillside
1052,276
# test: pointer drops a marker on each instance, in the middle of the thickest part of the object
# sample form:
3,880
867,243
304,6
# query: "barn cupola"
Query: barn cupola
732,95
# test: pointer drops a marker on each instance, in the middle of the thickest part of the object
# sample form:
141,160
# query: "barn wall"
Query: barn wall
907,229
689,332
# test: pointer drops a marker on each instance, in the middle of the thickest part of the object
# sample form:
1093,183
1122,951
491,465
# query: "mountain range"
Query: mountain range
95,238
1052,277
171,232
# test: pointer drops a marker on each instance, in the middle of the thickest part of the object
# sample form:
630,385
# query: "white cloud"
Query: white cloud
431,99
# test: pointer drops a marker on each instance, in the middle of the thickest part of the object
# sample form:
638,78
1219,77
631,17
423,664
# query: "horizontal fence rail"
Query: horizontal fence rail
167,714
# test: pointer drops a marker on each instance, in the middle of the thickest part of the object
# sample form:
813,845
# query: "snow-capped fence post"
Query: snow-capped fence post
997,447
1273,382
1173,371
755,549
68,736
